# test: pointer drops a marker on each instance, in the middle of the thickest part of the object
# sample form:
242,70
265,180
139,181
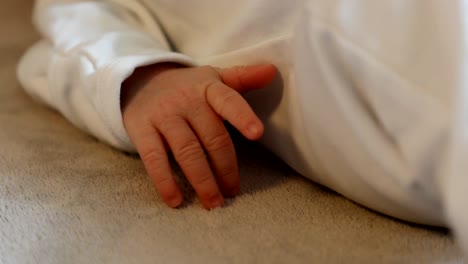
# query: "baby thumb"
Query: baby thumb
246,78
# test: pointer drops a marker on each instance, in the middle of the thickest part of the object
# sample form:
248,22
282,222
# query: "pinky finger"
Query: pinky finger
154,155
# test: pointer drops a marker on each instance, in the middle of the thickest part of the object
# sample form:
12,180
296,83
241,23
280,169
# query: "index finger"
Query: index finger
232,107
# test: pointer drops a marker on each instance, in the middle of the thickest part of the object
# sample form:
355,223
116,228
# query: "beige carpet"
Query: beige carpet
66,198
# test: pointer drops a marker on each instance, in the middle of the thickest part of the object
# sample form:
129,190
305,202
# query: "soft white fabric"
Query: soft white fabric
371,99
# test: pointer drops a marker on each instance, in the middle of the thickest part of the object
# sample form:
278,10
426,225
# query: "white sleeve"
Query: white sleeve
88,49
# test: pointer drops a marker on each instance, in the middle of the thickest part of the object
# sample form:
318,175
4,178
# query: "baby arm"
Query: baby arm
168,107
90,47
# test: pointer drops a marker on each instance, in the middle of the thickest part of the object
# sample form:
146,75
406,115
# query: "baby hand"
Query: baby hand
166,107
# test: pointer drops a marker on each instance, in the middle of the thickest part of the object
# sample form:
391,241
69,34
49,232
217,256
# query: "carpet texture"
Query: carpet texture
67,198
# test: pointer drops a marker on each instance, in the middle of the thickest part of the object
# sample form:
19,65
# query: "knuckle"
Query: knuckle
229,173
202,180
229,97
166,104
187,94
226,100
239,118
190,101
189,153
196,111
162,181
177,101
166,122
240,70
210,85
153,158
218,142
166,112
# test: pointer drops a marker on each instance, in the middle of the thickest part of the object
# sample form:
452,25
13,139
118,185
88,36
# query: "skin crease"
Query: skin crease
167,107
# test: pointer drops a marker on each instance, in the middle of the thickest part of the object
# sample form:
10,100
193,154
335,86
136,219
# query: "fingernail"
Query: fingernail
253,129
217,202
174,201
